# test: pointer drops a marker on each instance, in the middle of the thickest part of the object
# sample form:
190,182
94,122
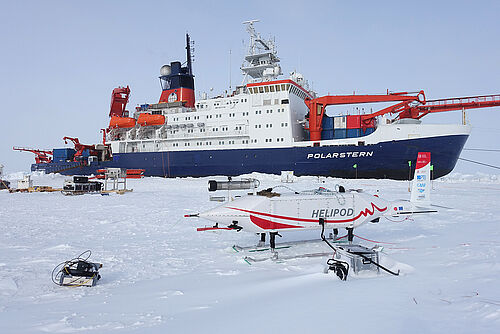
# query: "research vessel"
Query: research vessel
267,124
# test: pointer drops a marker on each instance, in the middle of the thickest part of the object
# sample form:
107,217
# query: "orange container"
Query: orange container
121,122
148,119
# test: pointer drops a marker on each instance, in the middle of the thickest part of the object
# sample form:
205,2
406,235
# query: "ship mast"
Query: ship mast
188,54
262,62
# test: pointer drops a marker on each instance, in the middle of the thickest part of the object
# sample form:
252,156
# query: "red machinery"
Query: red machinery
103,136
411,106
41,156
80,147
119,100
131,173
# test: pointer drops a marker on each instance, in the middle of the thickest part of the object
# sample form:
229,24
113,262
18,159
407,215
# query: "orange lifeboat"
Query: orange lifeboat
148,119
121,122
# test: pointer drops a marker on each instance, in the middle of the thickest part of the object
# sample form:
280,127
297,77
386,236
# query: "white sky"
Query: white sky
60,60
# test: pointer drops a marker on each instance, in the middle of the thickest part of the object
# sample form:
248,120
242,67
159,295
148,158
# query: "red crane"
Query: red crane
41,156
119,100
411,106
318,105
80,147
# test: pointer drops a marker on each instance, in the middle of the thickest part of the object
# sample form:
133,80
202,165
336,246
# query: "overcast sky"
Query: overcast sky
60,60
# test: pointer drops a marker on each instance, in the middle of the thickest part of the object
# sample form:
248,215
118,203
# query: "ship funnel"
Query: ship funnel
177,82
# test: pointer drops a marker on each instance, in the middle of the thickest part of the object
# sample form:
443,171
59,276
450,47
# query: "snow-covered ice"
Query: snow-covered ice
161,276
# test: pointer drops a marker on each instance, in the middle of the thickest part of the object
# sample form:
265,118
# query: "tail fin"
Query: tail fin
420,192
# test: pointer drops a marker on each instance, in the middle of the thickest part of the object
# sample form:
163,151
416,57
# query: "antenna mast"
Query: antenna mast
261,62
229,69
188,54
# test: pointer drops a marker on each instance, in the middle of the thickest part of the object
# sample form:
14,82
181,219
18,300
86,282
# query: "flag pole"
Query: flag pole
409,175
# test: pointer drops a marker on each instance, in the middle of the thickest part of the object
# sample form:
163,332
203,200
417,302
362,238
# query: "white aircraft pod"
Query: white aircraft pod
291,212
274,212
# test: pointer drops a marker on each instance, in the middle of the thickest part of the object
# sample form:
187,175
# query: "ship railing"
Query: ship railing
208,134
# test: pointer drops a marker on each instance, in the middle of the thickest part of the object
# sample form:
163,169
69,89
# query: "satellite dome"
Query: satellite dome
165,70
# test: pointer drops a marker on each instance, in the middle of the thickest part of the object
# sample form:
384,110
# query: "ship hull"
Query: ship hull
388,159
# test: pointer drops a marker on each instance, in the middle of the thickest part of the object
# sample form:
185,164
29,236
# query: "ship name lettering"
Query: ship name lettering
339,155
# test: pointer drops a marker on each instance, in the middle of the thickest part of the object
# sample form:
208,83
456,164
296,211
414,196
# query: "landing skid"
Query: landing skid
277,258
263,248
252,249
284,251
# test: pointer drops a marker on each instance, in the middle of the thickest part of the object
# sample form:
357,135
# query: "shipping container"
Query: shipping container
63,154
353,133
339,133
327,128
353,121
338,127
339,122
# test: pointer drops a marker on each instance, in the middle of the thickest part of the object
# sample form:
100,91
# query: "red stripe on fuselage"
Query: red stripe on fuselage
367,211
270,225
364,212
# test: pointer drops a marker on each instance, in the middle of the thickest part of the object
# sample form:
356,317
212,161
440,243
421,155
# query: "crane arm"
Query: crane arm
318,105
416,111
75,141
41,156
79,147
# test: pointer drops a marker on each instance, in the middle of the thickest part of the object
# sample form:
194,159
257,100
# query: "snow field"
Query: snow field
160,275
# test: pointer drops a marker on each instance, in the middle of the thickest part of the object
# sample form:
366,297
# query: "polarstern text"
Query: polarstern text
339,155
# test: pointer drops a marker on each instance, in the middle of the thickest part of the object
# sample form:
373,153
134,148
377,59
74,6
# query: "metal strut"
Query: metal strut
272,240
262,241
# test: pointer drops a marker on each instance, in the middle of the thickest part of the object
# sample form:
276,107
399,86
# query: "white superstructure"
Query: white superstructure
263,112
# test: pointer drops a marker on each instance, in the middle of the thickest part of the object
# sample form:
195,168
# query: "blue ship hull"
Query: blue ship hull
382,160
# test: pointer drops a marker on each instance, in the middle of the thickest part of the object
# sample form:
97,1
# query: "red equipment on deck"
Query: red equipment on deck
119,100
411,106
41,156
80,147
318,105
